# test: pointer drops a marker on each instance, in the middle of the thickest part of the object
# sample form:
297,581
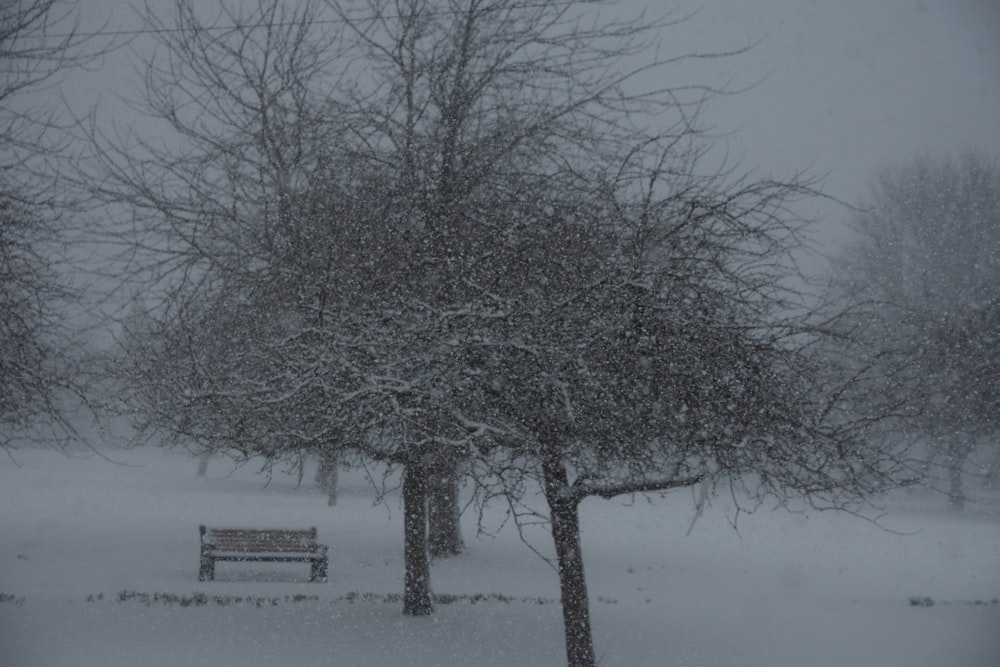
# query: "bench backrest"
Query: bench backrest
252,540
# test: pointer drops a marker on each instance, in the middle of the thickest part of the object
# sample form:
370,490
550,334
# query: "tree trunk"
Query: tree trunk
565,517
959,449
203,463
416,585
992,479
327,474
300,469
443,511
956,496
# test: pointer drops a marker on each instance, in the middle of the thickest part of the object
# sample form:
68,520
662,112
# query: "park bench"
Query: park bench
271,545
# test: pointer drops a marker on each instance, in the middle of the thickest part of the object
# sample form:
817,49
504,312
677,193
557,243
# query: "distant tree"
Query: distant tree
928,256
444,510
40,364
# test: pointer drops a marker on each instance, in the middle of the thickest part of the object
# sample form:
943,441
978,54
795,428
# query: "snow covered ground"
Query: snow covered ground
78,534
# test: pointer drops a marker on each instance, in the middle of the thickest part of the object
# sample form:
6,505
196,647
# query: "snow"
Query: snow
821,590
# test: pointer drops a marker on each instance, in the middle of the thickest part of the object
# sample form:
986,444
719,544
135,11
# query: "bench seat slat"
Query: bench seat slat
267,555
262,546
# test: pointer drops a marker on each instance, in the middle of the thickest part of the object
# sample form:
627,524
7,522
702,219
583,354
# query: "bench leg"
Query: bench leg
206,571
318,570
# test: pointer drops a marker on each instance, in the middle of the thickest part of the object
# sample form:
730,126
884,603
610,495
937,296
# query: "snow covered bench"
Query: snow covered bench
272,545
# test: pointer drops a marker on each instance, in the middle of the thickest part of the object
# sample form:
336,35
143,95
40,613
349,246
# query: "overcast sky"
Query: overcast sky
852,85
845,86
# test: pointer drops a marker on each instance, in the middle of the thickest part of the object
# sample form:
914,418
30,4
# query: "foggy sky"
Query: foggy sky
839,88
854,85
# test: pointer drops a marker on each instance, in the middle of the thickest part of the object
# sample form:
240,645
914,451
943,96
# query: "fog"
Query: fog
837,89
850,87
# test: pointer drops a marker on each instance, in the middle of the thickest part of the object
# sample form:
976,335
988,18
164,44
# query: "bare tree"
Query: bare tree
463,107
570,299
423,115
243,225
488,252
928,256
40,368
646,345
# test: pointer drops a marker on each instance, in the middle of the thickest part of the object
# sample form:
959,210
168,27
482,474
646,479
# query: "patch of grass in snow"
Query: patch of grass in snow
199,599
447,598
12,599
984,603
444,598
924,601
487,597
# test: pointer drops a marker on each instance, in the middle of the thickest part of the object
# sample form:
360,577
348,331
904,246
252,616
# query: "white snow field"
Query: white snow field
78,534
